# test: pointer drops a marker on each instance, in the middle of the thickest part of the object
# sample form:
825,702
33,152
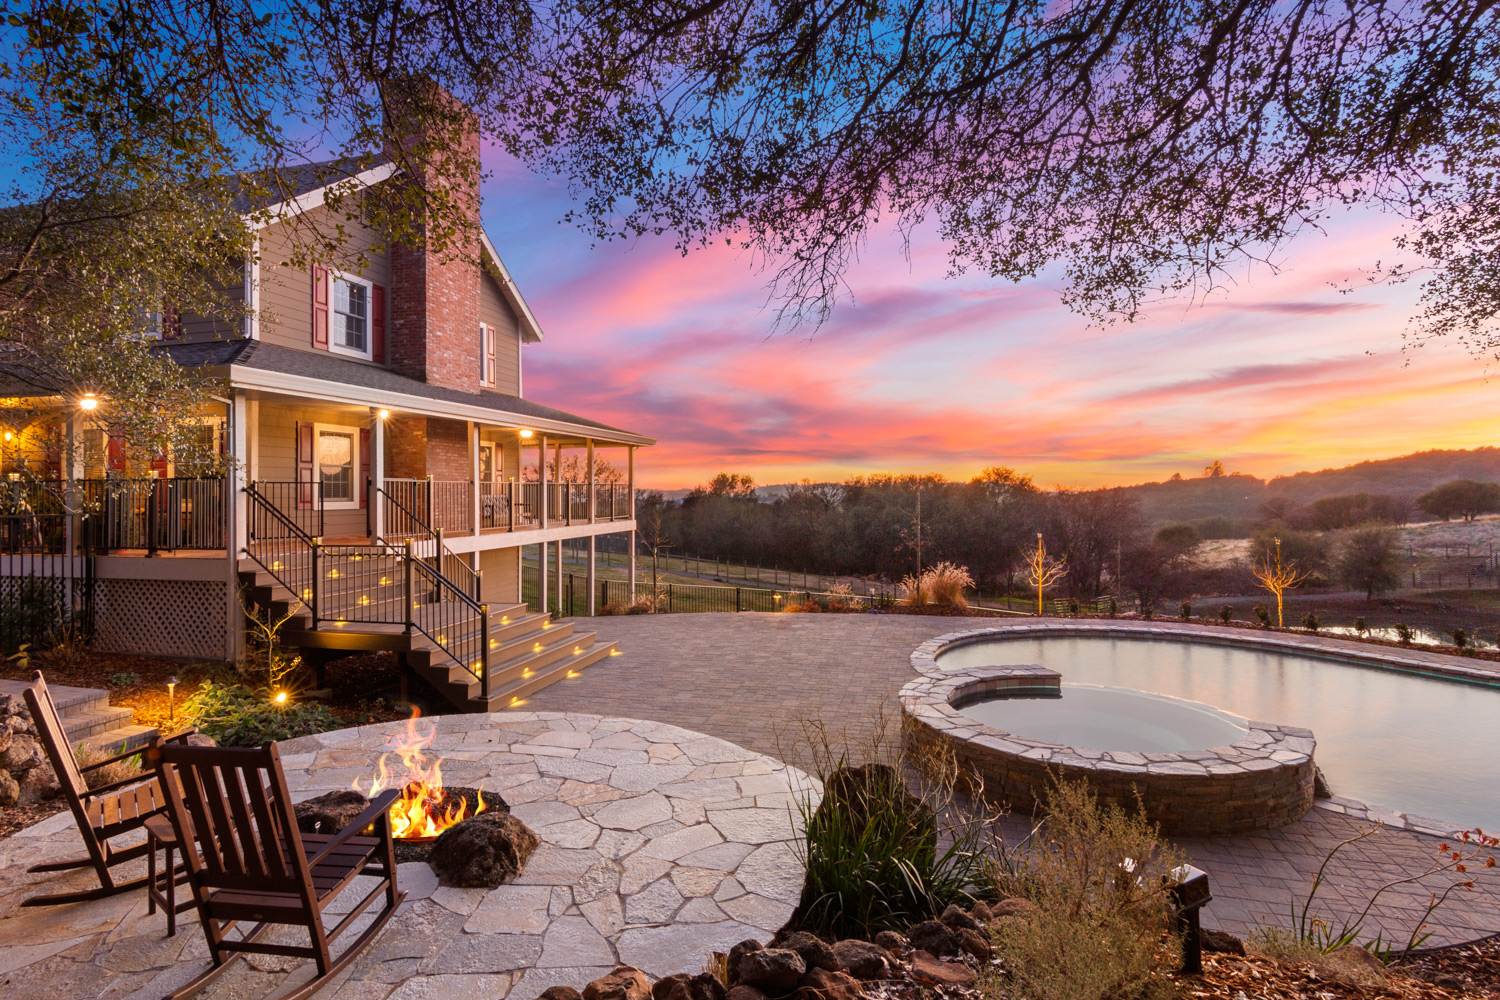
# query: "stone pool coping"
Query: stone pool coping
1432,664
1260,782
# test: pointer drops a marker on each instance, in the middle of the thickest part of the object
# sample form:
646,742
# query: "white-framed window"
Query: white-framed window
336,461
349,312
489,471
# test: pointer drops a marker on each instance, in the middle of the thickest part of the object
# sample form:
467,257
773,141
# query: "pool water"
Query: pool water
1416,744
1106,718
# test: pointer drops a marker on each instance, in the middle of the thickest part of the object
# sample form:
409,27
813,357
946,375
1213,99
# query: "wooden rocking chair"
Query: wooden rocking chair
247,861
102,814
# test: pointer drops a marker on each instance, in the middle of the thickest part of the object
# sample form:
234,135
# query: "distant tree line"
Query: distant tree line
887,526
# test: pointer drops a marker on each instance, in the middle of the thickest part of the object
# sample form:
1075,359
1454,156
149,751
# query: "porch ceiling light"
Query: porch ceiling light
88,402
526,432
383,414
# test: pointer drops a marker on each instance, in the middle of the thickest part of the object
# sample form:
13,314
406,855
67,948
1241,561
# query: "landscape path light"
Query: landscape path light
171,698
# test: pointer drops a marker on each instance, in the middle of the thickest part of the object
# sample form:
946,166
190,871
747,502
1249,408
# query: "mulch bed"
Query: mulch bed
1468,971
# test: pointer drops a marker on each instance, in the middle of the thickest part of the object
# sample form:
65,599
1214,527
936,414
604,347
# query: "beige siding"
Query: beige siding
286,289
195,327
494,310
277,455
500,568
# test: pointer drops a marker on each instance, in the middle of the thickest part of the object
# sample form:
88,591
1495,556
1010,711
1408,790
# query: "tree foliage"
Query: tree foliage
1369,560
1462,498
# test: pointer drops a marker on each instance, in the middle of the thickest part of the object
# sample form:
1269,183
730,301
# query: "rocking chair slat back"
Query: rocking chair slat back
54,737
240,809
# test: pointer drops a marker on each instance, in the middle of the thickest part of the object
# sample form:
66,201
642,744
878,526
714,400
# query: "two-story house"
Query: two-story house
385,474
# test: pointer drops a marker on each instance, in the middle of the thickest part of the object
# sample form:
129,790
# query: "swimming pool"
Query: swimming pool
1417,744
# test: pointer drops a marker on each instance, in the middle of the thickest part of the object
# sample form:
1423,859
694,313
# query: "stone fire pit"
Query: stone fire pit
658,844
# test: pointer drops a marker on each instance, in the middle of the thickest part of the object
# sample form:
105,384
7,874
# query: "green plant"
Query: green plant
1361,627
33,613
1113,608
1095,874
269,661
1460,638
109,773
1148,610
1226,614
1311,929
1263,615
1073,606
234,715
1405,633
879,855
1310,622
124,678
1185,611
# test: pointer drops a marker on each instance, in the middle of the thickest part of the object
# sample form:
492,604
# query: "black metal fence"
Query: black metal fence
47,595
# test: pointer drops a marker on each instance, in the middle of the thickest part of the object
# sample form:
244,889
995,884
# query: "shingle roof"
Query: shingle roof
328,367
266,188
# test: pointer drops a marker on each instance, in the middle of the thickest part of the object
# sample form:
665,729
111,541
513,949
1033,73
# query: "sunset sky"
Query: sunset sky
926,373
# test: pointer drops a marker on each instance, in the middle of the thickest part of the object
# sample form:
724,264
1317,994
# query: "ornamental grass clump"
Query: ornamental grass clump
1099,929
882,852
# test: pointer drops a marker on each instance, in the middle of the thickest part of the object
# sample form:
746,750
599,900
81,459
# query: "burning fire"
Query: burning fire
424,810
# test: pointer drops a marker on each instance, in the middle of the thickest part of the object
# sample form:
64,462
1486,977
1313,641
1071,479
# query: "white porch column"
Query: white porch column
377,473
593,511
558,557
237,476
631,545
72,467
592,585
541,474
474,475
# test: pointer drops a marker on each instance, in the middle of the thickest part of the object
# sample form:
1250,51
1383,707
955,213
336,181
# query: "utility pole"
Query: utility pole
919,532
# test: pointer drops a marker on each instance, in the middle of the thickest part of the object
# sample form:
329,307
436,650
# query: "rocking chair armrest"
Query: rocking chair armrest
122,755
377,808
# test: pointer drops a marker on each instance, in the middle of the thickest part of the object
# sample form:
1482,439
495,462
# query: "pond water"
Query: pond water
1106,718
1417,744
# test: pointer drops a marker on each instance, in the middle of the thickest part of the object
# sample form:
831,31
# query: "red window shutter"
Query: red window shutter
304,465
115,454
171,321
377,324
159,467
364,466
320,295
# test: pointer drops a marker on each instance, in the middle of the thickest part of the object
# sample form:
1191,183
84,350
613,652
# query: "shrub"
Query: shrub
1226,614
614,608
124,679
130,767
1361,627
1099,928
943,584
234,715
1405,634
1310,622
1186,610
1113,607
1263,615
1460,638
1073,606
648,604
32,613
878,854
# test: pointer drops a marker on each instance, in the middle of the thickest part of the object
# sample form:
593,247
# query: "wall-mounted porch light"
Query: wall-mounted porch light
383,414
88,402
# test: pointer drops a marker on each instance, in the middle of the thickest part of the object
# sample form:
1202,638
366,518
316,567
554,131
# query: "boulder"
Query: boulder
204,740
625,983
1221,942
929,970
892,941
1016,906
821,984
10,790
1320,784
5,737
329,812
560,993
934,937
736,955
980,911
37,784
23,754
685,987
815,952
743,992
955,917
486,851
863,960
773,971
974,943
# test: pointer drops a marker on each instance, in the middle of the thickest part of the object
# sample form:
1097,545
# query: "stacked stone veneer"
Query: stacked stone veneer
1258,783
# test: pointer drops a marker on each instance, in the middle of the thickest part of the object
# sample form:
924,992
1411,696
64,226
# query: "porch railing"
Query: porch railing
155,515
428,504
412,526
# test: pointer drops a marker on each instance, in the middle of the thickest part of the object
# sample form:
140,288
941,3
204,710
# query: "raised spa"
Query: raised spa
1108,718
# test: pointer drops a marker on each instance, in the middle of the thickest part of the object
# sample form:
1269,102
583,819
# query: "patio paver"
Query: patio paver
749,677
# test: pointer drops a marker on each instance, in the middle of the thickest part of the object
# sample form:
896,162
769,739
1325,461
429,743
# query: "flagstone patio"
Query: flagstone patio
659,845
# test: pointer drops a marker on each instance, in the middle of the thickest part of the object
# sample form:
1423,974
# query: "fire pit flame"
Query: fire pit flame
424,809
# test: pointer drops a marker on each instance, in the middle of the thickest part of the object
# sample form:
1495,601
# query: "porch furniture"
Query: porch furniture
247,861
161,890
102,814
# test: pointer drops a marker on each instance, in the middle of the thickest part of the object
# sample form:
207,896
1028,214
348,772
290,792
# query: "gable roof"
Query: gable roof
305,187
245,361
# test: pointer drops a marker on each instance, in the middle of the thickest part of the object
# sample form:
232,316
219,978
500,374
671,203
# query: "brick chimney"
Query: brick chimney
434,308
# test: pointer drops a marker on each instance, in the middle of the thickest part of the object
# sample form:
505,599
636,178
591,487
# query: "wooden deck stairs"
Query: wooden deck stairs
527,650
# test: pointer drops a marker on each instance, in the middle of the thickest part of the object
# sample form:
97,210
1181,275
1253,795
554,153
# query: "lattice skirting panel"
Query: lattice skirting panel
161,617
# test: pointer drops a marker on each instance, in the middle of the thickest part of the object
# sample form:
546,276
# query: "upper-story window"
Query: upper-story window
487,373
350,319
